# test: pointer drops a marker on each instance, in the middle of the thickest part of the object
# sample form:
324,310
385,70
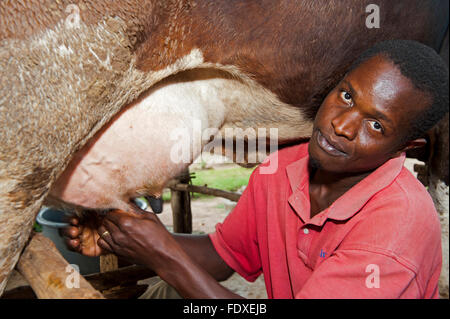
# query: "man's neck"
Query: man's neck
337,181
326,187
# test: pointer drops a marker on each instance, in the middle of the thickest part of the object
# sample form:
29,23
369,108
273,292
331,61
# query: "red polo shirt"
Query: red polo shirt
381,239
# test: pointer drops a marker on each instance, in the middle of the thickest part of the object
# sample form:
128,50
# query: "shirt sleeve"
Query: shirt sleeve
235,240
354,274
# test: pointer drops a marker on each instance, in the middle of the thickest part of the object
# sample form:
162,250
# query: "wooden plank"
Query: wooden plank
120,283
122,276
107,282
50,275
22,292
130,292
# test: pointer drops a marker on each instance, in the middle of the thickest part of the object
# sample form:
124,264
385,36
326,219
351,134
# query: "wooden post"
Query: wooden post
50,275
181,206
108,262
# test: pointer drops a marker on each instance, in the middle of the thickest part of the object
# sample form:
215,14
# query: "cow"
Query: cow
74,72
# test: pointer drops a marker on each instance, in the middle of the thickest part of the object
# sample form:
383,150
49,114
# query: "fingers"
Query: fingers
73,244
103,244
111,236
71,232
120,219
123,219
71,235
74,221
106,240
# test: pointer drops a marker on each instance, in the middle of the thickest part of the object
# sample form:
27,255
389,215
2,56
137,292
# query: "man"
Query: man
340,218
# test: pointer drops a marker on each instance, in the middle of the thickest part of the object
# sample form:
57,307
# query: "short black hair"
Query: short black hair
425,69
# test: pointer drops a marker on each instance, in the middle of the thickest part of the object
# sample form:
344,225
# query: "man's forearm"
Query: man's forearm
202,252
192,281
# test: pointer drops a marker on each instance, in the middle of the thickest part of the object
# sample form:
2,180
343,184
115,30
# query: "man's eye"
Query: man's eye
346,96
376,126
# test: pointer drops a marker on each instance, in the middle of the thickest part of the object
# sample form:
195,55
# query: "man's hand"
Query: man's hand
143,239
140,238
82,235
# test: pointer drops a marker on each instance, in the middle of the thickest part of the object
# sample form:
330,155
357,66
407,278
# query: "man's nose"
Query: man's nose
346,124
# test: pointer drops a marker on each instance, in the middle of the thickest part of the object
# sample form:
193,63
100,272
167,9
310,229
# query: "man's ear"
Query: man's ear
417,143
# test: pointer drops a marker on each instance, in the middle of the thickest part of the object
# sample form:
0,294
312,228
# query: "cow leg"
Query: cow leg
438,187
15,228
438,182
89,77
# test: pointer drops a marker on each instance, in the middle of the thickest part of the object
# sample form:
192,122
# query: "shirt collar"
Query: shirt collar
355,198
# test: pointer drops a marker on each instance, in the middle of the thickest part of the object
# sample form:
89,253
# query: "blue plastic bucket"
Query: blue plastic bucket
51,221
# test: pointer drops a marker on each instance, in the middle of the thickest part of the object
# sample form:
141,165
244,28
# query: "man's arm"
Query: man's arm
196,271
143,239
202,251
187,262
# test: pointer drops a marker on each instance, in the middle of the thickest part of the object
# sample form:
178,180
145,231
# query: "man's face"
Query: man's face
362,121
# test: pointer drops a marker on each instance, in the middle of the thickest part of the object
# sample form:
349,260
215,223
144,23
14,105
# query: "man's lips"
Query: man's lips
328,147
